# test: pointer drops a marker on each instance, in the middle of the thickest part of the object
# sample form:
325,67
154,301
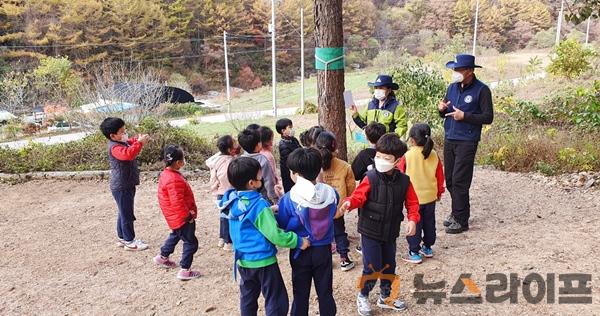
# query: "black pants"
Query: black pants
190,244
224,224
314,263
342,244
425,228
377,254
459,160
125,218
267,280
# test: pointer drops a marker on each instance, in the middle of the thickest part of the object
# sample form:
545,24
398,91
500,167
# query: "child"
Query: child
228,149
255,235
381,195
338,174
178,205
308,210
308,137
249,140
287,145
423,166
124,177
363,162
266,140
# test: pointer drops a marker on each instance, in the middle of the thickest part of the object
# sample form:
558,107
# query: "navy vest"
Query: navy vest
124,175
468,102
381,215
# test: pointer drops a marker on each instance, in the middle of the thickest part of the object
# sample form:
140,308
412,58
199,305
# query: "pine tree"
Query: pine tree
463,18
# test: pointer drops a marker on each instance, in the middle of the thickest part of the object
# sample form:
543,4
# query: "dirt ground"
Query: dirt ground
58,253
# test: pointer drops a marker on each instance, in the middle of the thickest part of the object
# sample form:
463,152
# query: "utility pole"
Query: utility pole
302,59
227,73
273,61
475,29
587,32
559,23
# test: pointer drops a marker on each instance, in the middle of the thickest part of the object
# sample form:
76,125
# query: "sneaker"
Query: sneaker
413,257
120,243
227,247
359,249
187,274
397,304
363,306
456,228
449,220
164,262
135,245
427,252
346,264
221,243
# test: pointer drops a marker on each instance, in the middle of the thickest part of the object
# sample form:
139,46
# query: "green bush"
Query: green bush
185,109
518,110
570,59
578,106
309,108
90,153
421,89
543,39
532,149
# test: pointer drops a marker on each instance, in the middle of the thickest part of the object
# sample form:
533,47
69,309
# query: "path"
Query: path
58,254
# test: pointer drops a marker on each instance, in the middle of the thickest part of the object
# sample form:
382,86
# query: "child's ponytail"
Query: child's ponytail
421,134
172,154
326,144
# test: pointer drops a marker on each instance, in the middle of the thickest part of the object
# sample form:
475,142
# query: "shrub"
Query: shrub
543,39
90,153
421,89
570,59
185,109
578,106
309,108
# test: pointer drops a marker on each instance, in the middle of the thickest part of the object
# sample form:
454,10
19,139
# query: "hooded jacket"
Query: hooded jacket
308,210
218,164
254,230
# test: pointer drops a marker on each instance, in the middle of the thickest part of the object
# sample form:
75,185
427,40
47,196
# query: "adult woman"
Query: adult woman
383,108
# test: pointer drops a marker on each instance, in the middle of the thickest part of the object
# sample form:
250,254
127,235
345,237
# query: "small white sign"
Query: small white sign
348,99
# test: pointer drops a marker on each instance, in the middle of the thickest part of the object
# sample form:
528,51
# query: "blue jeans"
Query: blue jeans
125,218
190,244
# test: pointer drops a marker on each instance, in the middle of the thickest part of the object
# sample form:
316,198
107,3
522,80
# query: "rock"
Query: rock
588,184
538,216
210,309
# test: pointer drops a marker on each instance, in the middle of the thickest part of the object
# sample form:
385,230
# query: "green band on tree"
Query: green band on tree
329,58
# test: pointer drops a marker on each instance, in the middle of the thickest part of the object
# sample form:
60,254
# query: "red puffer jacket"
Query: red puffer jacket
175,198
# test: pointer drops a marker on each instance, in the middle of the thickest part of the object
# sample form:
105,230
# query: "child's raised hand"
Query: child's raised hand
305,243
411,228
144,138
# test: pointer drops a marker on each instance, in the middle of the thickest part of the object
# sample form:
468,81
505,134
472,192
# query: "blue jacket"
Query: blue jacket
254,230
309,212
475,101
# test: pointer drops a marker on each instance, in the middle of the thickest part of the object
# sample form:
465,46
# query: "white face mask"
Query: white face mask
457,77
379,94
383,165
125,137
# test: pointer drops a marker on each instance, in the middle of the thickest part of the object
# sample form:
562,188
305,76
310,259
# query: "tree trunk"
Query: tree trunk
330,83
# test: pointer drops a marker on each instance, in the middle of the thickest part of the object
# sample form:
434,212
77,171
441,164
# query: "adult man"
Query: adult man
466,107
